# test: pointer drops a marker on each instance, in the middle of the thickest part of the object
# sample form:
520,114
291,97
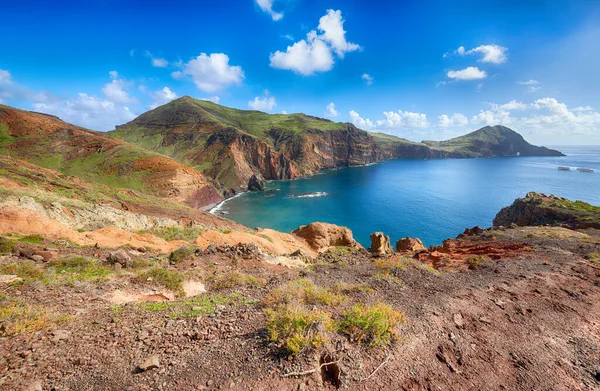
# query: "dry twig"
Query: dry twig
376,369
310,371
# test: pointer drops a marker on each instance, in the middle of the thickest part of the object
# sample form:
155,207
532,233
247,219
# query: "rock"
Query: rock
476,230
458,320
151,362
254,184
183,253
321,236
300,254
26,253
7,279
409,244
120,256
380,244
46,254
598,374
60,335
35,386
37,258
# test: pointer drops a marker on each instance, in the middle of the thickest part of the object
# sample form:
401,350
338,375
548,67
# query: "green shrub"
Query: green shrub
170,279
374,325
71,270
189,234
593,257
183,253
33,239
235,279
475,261
298,329
7,246
302,291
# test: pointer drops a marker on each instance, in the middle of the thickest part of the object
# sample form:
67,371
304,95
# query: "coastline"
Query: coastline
215,207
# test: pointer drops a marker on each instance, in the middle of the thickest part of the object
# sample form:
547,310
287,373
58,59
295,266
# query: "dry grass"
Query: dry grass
373,325
302,291
236,279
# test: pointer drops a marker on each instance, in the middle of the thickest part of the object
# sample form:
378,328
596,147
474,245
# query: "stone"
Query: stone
120,256
409,244
254,184
35,386
321,236
149,363
598,374
47,255
60,335
380,244
37,258
9,279
458,320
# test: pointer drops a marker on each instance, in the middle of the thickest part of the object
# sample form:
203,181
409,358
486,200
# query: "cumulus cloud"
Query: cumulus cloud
9,90
532,85
162,97
88,111
456,119
469,73
393,120
367,78
114,91
157,61
213,99
331,111
211,73
267,6
494,54
315,53
512,105
266,103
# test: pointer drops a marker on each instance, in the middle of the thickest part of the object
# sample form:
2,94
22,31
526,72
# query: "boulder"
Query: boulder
409,244
254,184
321,236
120,256
7,279
46,255
151,362
380,244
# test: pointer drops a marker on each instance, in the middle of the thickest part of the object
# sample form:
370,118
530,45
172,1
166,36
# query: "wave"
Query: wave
309,195
219,206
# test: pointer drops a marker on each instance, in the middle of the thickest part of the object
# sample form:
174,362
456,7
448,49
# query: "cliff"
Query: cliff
539,209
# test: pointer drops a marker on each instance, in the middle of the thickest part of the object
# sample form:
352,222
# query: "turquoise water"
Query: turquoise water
429,199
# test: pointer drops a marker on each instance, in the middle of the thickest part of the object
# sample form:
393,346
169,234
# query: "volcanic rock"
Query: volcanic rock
380,244
321,236
409,244
120,256
254,184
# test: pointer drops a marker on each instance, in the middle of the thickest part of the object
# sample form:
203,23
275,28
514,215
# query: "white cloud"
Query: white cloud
211,73
9,90
315,53
114,91
331,111
393,120
283,112
160,62
456,119
360,122
469,73
267,6
512,105
494,54
88,111
367,78
162,97
266,103
213,99
529,82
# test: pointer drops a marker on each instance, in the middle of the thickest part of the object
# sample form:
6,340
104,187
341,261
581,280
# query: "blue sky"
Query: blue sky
420,70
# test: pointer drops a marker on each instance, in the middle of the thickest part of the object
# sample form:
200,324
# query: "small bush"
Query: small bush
298,329
235,279
7,246
139,263
475,261
170,279
19,317
33,239
593,257
302,291
345,288
189,234
27,270
183,253
374,325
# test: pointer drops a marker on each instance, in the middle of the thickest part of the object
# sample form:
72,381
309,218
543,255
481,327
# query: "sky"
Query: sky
423,70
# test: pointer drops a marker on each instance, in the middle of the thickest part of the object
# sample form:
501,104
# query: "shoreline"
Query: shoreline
215,207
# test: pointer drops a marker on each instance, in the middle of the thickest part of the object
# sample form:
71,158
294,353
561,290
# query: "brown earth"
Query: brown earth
526,319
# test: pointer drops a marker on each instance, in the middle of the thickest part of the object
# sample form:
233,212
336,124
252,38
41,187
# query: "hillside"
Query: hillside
492,141
230,145
51,143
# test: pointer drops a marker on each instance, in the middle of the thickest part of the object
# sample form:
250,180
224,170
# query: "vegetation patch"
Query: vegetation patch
195,306
32,239
593,257
7,246
170,279
184,253
236,279
372,325
297,329
475,261
302,291
189,234
346,288
71,270
17,317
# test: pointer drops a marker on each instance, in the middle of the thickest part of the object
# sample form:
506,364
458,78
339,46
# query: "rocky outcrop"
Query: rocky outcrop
409,244
254,184
380,244
540,209
322,236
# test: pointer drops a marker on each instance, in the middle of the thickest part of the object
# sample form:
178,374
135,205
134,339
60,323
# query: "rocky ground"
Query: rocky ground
513,308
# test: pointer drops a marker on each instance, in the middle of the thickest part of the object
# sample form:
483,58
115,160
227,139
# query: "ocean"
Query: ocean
429,199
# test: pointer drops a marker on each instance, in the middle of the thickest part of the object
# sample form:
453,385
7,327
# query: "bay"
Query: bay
429,199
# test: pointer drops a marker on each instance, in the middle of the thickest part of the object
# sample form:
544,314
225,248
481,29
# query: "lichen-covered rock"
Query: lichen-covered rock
380,244
322,236
119,256
255,184
409,244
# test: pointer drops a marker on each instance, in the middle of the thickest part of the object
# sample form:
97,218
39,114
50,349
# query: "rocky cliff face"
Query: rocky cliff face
540,209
